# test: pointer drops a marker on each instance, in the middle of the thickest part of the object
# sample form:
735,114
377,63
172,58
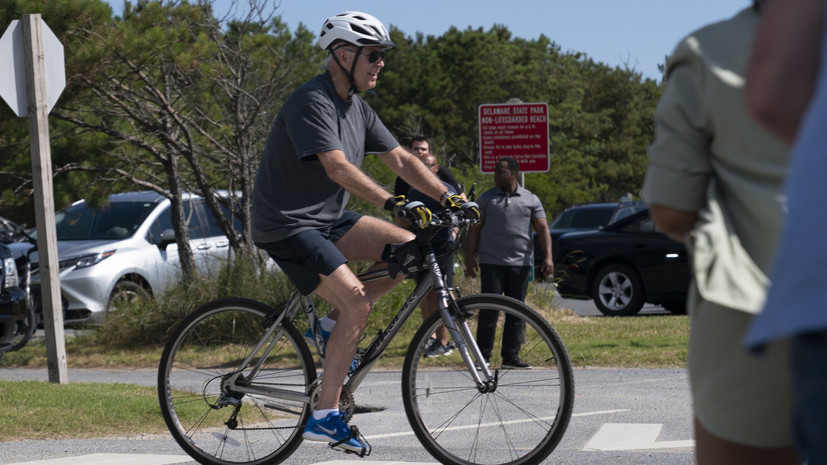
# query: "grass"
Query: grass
134,339
638,342
41,410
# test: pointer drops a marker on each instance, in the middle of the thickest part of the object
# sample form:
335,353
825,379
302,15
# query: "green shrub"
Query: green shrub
149,321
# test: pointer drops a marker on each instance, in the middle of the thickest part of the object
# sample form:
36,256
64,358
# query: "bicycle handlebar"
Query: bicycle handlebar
450,219
441,219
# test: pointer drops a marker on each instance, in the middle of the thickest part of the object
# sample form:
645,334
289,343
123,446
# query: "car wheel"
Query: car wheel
617,290
125,294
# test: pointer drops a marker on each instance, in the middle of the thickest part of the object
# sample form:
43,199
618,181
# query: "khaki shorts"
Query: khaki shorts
737,396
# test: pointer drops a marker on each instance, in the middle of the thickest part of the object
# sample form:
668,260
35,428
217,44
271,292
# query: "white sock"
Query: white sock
323,413
327,324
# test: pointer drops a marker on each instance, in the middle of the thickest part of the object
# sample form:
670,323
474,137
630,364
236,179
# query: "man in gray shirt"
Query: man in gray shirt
310,166
503,240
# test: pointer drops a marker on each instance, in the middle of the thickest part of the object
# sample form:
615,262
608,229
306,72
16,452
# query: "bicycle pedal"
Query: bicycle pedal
366,449
364,453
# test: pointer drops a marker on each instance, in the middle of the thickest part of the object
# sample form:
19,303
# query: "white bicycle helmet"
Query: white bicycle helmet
354,27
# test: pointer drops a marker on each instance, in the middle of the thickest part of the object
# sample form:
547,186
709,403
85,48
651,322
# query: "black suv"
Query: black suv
583,218
593,215
622,266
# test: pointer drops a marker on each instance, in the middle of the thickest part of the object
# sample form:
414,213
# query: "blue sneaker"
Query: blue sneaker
333,430
308,336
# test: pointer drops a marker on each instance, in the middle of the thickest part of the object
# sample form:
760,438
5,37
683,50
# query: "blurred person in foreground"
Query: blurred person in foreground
786,91
713,181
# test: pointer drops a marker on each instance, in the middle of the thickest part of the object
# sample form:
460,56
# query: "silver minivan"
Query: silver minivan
124,249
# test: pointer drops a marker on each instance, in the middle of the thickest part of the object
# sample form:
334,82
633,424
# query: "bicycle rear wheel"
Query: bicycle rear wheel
520,422
220,427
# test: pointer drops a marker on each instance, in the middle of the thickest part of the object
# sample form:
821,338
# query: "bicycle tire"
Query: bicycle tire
521,422
208,346
27,331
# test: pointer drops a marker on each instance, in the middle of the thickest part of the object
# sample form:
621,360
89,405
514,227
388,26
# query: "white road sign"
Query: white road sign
13,72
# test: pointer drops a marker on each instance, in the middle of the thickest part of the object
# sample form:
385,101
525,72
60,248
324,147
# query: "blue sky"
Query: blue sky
633,33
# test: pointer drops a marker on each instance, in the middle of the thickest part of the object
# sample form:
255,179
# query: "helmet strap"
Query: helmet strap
353,88
349,74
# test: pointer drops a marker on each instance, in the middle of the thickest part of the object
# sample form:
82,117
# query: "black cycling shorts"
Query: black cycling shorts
307,254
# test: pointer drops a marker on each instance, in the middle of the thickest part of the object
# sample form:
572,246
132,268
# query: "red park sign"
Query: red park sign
516,130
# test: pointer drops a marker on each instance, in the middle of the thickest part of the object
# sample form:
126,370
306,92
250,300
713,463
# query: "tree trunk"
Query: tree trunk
180,222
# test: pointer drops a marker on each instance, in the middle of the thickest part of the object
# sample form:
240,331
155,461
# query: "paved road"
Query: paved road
587,307
621,417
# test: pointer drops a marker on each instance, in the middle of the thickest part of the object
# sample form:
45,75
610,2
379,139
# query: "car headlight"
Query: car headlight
9,273
85,260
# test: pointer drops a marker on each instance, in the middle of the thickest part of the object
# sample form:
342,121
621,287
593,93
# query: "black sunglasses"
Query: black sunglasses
374,55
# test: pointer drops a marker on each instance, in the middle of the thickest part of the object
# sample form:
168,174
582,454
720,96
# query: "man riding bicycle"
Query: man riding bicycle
309,168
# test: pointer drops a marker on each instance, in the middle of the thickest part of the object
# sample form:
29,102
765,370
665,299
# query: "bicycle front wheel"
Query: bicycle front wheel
215,424
519,420
25,332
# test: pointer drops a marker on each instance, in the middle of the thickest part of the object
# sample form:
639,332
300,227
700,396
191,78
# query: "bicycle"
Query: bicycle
237,381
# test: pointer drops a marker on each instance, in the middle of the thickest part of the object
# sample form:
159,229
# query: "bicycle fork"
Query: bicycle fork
460,333
466,343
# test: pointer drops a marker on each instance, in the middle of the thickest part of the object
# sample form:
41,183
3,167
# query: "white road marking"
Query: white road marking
455,428
113,459
599,412
350,462
612,436
137,459
631,436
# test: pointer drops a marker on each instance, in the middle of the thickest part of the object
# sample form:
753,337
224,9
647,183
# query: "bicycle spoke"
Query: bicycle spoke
216,422
518,418
450,420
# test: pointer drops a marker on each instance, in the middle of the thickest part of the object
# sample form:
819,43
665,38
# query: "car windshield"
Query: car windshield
118,220
583,218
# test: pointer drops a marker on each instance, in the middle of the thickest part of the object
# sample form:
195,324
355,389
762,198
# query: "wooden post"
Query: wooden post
44,197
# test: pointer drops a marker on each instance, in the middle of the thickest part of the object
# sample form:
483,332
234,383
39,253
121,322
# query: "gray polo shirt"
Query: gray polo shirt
505,237
292,191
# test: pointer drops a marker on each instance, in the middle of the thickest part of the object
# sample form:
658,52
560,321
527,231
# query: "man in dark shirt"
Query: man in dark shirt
503,241
310,166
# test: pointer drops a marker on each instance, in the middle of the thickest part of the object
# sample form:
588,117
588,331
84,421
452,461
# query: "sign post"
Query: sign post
32,40
516,130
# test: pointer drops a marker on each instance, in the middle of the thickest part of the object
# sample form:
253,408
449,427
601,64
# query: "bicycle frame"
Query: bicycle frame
433,280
